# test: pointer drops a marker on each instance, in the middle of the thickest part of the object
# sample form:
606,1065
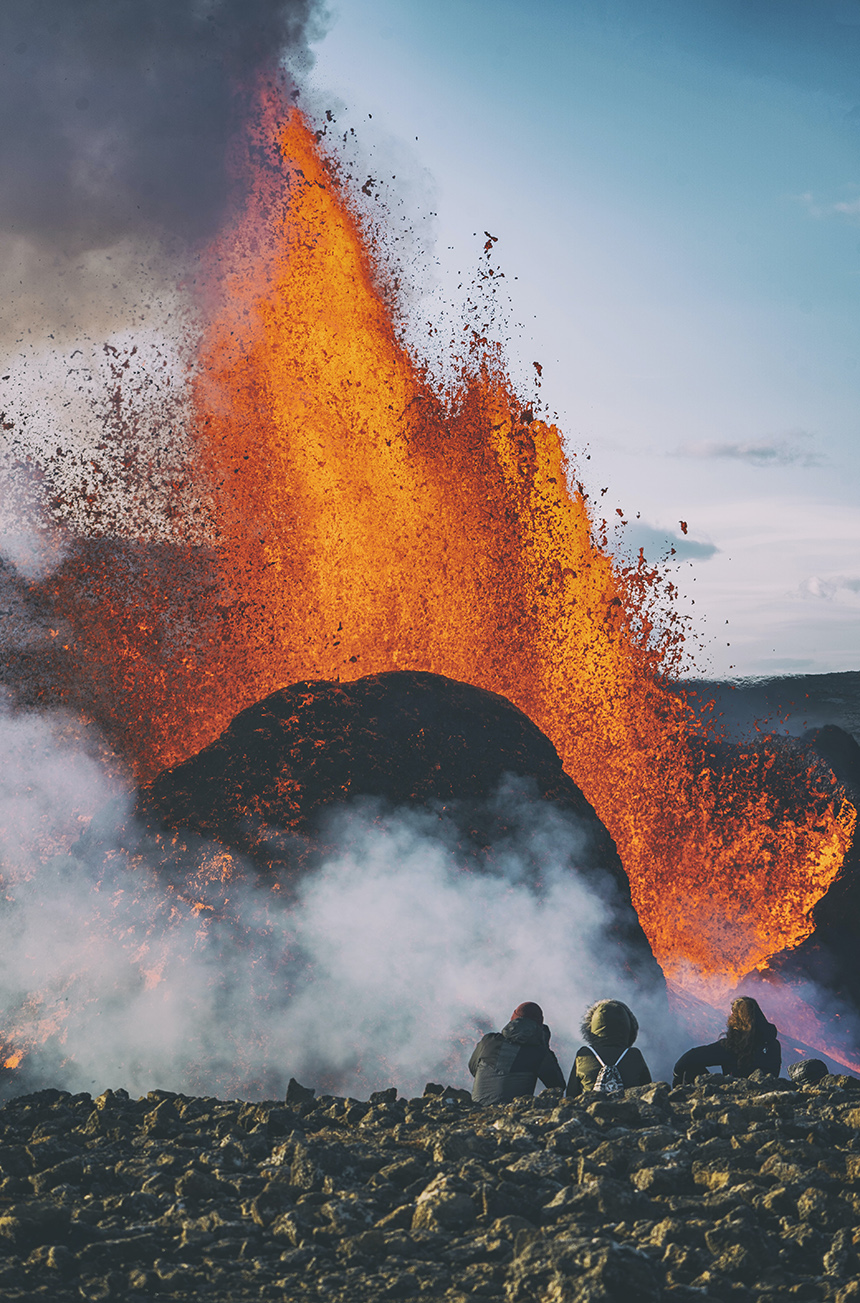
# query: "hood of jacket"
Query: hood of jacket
765,1034
769,1031
524,1031
609,1022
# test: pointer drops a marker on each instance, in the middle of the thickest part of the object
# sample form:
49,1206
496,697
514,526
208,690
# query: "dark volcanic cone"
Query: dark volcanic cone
410,738
267,788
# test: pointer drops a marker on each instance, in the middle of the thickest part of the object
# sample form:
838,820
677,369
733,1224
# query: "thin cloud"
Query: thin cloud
762,452
843,590
849,208
658,544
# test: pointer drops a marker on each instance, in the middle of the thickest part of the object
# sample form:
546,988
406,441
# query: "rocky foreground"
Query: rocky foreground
730,1189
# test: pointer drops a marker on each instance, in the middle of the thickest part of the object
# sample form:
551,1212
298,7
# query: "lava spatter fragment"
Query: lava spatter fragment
364,519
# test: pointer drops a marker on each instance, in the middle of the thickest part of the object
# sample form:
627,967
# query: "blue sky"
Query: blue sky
676,191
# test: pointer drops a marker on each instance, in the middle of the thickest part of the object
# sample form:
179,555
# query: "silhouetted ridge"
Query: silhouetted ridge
409,737
268,786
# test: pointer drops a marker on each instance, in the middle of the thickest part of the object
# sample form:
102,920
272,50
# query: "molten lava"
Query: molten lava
366,521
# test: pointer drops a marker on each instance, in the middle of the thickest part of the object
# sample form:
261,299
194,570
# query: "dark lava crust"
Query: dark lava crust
406,737
728,1190
405,740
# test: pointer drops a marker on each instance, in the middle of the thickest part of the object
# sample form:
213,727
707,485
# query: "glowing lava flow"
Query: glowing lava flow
369,522
365,521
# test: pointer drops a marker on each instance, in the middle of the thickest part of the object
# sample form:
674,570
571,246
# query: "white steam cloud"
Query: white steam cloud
383,967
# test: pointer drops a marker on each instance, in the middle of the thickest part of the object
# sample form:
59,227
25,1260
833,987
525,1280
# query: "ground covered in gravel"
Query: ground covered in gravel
730,1189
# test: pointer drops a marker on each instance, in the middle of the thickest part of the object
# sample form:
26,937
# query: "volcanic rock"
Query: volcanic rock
730,1189
799,701
408,740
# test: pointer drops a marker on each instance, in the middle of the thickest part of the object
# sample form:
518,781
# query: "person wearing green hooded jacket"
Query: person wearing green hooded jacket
609,1029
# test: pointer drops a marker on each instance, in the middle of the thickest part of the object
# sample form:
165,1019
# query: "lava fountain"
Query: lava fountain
367,518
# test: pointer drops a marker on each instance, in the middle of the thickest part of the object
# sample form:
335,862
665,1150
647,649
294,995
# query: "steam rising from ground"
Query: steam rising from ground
385,968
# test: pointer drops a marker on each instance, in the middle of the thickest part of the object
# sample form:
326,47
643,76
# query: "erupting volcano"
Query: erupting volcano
362,517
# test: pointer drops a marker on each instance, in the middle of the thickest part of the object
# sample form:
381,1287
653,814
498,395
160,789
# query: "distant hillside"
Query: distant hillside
790,704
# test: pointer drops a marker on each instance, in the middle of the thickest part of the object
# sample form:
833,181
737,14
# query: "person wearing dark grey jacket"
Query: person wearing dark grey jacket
609,1029
508,1063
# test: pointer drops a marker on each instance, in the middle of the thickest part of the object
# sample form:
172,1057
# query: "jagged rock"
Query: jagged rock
297,1094
546,1200
578,1270
807,1071
445,1205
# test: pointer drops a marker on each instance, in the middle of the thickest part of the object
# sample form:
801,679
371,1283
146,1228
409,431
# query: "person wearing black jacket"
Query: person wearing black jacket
508,1063
749,1042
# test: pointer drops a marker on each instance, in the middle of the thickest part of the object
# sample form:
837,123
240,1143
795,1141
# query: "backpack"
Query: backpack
608,1078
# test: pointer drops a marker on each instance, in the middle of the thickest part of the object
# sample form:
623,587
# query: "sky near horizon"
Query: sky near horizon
675,189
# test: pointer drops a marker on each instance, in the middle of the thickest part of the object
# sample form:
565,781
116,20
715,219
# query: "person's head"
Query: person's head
528,1010
609,1022
746,1030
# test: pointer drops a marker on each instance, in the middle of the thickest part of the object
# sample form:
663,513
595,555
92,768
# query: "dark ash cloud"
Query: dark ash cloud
115,114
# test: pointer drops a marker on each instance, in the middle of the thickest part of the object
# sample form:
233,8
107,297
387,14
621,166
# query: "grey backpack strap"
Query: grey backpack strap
621,1056
593,1051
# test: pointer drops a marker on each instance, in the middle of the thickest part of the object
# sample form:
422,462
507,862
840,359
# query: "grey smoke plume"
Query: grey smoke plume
115,114
384,968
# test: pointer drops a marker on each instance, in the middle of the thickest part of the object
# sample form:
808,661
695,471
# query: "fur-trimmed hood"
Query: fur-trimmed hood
609,1022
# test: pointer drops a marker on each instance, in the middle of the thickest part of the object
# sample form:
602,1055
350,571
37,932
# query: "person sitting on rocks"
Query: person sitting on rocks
749,1042
609,1029
508,1063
